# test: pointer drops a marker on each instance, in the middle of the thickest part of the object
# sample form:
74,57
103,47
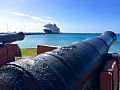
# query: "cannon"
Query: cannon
9,38
9,51
64,68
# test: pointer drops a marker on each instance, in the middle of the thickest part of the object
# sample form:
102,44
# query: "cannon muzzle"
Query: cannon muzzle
61,69
9,38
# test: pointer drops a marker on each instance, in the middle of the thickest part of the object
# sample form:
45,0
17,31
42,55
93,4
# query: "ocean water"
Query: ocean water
32,41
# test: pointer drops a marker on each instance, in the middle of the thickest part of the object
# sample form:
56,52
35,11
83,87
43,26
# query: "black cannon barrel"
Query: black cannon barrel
9,38
61,69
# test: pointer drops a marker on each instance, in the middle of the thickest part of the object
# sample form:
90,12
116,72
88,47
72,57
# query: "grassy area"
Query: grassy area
29,52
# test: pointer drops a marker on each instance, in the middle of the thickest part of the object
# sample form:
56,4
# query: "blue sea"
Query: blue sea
31,41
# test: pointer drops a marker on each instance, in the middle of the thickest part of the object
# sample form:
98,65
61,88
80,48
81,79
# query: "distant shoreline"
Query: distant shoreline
39,33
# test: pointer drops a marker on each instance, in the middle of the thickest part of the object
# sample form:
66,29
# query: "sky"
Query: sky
71,16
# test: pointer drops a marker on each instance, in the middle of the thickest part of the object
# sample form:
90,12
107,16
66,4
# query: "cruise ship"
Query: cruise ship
51,28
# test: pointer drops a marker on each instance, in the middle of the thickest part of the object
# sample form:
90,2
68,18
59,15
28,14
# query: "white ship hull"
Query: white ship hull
49,31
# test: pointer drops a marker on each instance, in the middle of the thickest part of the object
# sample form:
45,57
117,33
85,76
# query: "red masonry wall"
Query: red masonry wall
8,53
45,48
109,76
3,55
13,51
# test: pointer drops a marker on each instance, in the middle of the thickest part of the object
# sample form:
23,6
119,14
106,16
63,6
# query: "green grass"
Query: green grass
29,52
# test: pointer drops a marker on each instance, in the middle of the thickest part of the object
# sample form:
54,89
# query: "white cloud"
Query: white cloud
18,14
49,17
45,19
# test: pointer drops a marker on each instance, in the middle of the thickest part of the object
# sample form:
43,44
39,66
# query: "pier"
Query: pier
33,33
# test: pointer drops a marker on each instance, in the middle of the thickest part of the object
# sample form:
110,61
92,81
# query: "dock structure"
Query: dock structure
26,33
33,33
